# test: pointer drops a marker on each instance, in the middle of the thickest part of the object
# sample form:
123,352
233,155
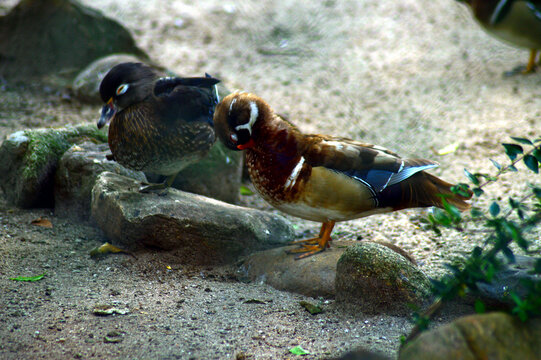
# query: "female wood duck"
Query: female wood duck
158,124
323,178
517,22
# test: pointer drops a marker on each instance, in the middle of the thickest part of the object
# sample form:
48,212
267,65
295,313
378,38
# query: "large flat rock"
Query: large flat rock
201,230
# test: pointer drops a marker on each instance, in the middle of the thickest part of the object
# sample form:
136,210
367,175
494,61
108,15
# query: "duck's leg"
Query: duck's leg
313,246
530,68
524,69
145,188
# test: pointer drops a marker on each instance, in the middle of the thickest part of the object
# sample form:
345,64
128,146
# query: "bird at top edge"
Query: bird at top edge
158,124
516,22
324,178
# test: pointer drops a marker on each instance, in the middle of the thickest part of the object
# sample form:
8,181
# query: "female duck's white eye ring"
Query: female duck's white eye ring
234,137
122,89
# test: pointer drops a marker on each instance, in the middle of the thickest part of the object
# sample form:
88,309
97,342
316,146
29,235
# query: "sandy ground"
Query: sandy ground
414,76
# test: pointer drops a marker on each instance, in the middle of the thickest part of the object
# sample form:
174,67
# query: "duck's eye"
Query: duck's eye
234,137
122,89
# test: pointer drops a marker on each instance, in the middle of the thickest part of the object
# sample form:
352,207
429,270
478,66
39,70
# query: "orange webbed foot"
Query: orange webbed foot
313,246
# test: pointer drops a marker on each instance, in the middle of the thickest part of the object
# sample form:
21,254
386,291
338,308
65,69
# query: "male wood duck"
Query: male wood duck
158,124
323,178
517,22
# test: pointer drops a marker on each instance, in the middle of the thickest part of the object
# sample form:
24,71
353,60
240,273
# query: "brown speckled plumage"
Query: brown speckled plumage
323,178
158,125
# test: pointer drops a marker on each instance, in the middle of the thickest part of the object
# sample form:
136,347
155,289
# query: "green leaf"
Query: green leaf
522,140
509,254
478,191
537,154
479,307
512,168
476,212
512,150
311,308
537,267
532,163
244,190
496,164
494,209
472,177
537,192
514,203
461,189
28,278
452,210
441,217
297,350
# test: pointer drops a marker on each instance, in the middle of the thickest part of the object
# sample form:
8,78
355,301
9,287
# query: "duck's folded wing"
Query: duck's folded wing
372,165
187,99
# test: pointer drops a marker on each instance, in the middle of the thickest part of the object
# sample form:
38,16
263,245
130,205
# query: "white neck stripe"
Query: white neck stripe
254,113
231,105
292,179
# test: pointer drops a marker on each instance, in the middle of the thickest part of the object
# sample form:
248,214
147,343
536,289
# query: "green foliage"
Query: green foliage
502,226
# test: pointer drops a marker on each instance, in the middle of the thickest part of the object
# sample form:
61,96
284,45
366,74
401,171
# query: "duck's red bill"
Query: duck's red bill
248,145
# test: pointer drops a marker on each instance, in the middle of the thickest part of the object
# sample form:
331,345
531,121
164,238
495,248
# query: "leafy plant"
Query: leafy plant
502,225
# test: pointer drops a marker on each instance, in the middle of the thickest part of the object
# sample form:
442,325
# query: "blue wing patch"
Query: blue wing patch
379,180
535,8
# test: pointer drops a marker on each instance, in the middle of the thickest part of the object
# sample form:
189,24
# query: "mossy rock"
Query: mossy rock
379,280
28,161
58,37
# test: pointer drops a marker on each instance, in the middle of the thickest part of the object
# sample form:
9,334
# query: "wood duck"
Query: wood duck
158,124
323,178
517,22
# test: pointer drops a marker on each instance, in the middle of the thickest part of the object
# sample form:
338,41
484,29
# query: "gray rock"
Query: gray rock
60,37
379,279
29,158
488,336
313,276
200,230
218,175
76,175
86,86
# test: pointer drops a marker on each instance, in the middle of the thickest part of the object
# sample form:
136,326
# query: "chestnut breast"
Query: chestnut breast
313,193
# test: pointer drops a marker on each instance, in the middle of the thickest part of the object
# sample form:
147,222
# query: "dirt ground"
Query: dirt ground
414,76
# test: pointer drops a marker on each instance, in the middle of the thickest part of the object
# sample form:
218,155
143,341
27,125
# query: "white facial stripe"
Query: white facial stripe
292,179
254,113
231,105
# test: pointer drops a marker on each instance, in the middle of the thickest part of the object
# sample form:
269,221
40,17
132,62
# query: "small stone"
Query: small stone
113,337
